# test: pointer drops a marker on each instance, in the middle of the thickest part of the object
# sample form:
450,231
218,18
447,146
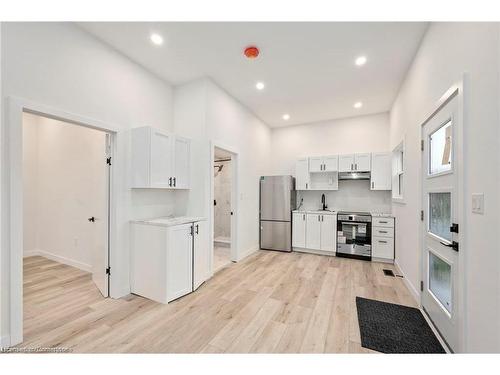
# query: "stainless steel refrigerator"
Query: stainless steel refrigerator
277,200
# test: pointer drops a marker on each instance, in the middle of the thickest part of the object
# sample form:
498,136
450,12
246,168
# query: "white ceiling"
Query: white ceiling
308,68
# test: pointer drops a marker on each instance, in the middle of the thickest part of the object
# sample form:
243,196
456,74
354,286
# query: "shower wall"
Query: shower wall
222,196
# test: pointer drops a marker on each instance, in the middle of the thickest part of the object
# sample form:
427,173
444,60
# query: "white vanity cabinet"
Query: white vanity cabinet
355,163
169,258
314,230
381,178
383,239
160,159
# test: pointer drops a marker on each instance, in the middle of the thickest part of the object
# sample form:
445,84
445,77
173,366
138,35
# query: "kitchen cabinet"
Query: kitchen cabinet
383,239
323,164
381,169
302,174
313,231
298,229
355,163
168,260
159,159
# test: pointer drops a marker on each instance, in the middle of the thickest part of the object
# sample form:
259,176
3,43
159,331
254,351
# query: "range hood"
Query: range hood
354,175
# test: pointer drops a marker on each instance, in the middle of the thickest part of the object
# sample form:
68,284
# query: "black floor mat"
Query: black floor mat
390,328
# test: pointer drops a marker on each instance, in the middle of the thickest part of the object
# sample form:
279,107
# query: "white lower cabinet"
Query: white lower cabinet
168,262
383,239
314,231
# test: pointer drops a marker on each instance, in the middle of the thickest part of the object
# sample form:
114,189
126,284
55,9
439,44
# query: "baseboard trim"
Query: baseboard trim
57,258
413,291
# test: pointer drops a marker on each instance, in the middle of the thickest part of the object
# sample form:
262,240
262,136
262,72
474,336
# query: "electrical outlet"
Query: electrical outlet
478,203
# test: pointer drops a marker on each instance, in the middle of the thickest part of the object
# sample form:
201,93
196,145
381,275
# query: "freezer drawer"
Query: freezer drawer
276,235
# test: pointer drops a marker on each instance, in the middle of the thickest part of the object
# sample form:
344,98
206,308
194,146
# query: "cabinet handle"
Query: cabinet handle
322,218
352,167
191,231
372,185
356,166
319,217
382,231
197,229
304,217
383,222
306,186
170,181
382,241
174,181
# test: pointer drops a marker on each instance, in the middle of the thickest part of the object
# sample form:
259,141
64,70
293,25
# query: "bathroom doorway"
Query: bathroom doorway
223,175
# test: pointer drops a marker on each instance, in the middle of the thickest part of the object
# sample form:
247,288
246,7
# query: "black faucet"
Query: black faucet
323,201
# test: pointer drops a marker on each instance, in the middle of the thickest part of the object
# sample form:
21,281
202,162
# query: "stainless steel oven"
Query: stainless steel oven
354,235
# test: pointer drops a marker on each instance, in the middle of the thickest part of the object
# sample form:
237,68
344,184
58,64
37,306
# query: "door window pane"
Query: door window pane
440,149
440,215
440,280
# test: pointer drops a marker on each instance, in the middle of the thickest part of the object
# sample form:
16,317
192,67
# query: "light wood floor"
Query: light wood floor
270,302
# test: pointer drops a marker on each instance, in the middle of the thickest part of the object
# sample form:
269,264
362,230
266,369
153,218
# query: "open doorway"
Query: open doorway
223,175
66,211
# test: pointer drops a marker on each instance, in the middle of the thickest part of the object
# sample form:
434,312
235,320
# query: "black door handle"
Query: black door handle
453,245
92,219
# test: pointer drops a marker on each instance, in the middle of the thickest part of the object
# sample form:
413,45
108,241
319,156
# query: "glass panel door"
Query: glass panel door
440,149
440,280
440,215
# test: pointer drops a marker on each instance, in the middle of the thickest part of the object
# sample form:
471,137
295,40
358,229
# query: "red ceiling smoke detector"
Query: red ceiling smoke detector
251,52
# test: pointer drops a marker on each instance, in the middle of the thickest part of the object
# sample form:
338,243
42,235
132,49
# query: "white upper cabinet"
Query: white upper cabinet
355,163
362,162
323,164
302,174
381,171
159,159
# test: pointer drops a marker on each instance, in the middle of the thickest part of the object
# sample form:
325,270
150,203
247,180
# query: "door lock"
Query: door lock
454,228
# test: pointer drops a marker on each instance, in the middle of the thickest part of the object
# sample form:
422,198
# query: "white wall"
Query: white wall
356,134
447,51
64,184
61,66
205,113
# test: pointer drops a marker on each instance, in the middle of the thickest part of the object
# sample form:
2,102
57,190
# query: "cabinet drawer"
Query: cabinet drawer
383,232
386,222
383,247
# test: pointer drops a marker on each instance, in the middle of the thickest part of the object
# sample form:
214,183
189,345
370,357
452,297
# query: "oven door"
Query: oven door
354,238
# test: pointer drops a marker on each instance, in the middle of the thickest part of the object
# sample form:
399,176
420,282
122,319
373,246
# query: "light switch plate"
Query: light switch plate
478,203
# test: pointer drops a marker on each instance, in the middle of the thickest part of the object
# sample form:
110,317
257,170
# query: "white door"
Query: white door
302,174
316,164
328,232
182,161
161,159
331,163
179,261
299,230
381,178
98,204
440,202
346,163
313,231
362,162
201,260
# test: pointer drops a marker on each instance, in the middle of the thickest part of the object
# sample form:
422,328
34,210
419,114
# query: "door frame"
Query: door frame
235,256
455,91
15,107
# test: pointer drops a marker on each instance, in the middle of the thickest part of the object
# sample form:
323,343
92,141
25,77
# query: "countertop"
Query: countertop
315,212
169,221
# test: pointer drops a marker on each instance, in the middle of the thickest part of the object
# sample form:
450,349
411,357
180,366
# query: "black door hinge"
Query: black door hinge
422,145
108,271
108,161
421,286
422,215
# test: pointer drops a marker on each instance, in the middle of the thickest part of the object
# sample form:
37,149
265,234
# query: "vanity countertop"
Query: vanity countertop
169,221
315,212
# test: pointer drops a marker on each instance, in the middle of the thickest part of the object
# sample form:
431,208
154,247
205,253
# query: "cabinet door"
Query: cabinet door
298,230
362,162
381,171
302,174
346,163
182,161
328,232
179,261
201,261
331,163
313,231
161,159
315,164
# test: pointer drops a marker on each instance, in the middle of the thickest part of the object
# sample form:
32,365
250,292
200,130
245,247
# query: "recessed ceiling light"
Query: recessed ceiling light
358,105
286,117
361,60
260,85
156,39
